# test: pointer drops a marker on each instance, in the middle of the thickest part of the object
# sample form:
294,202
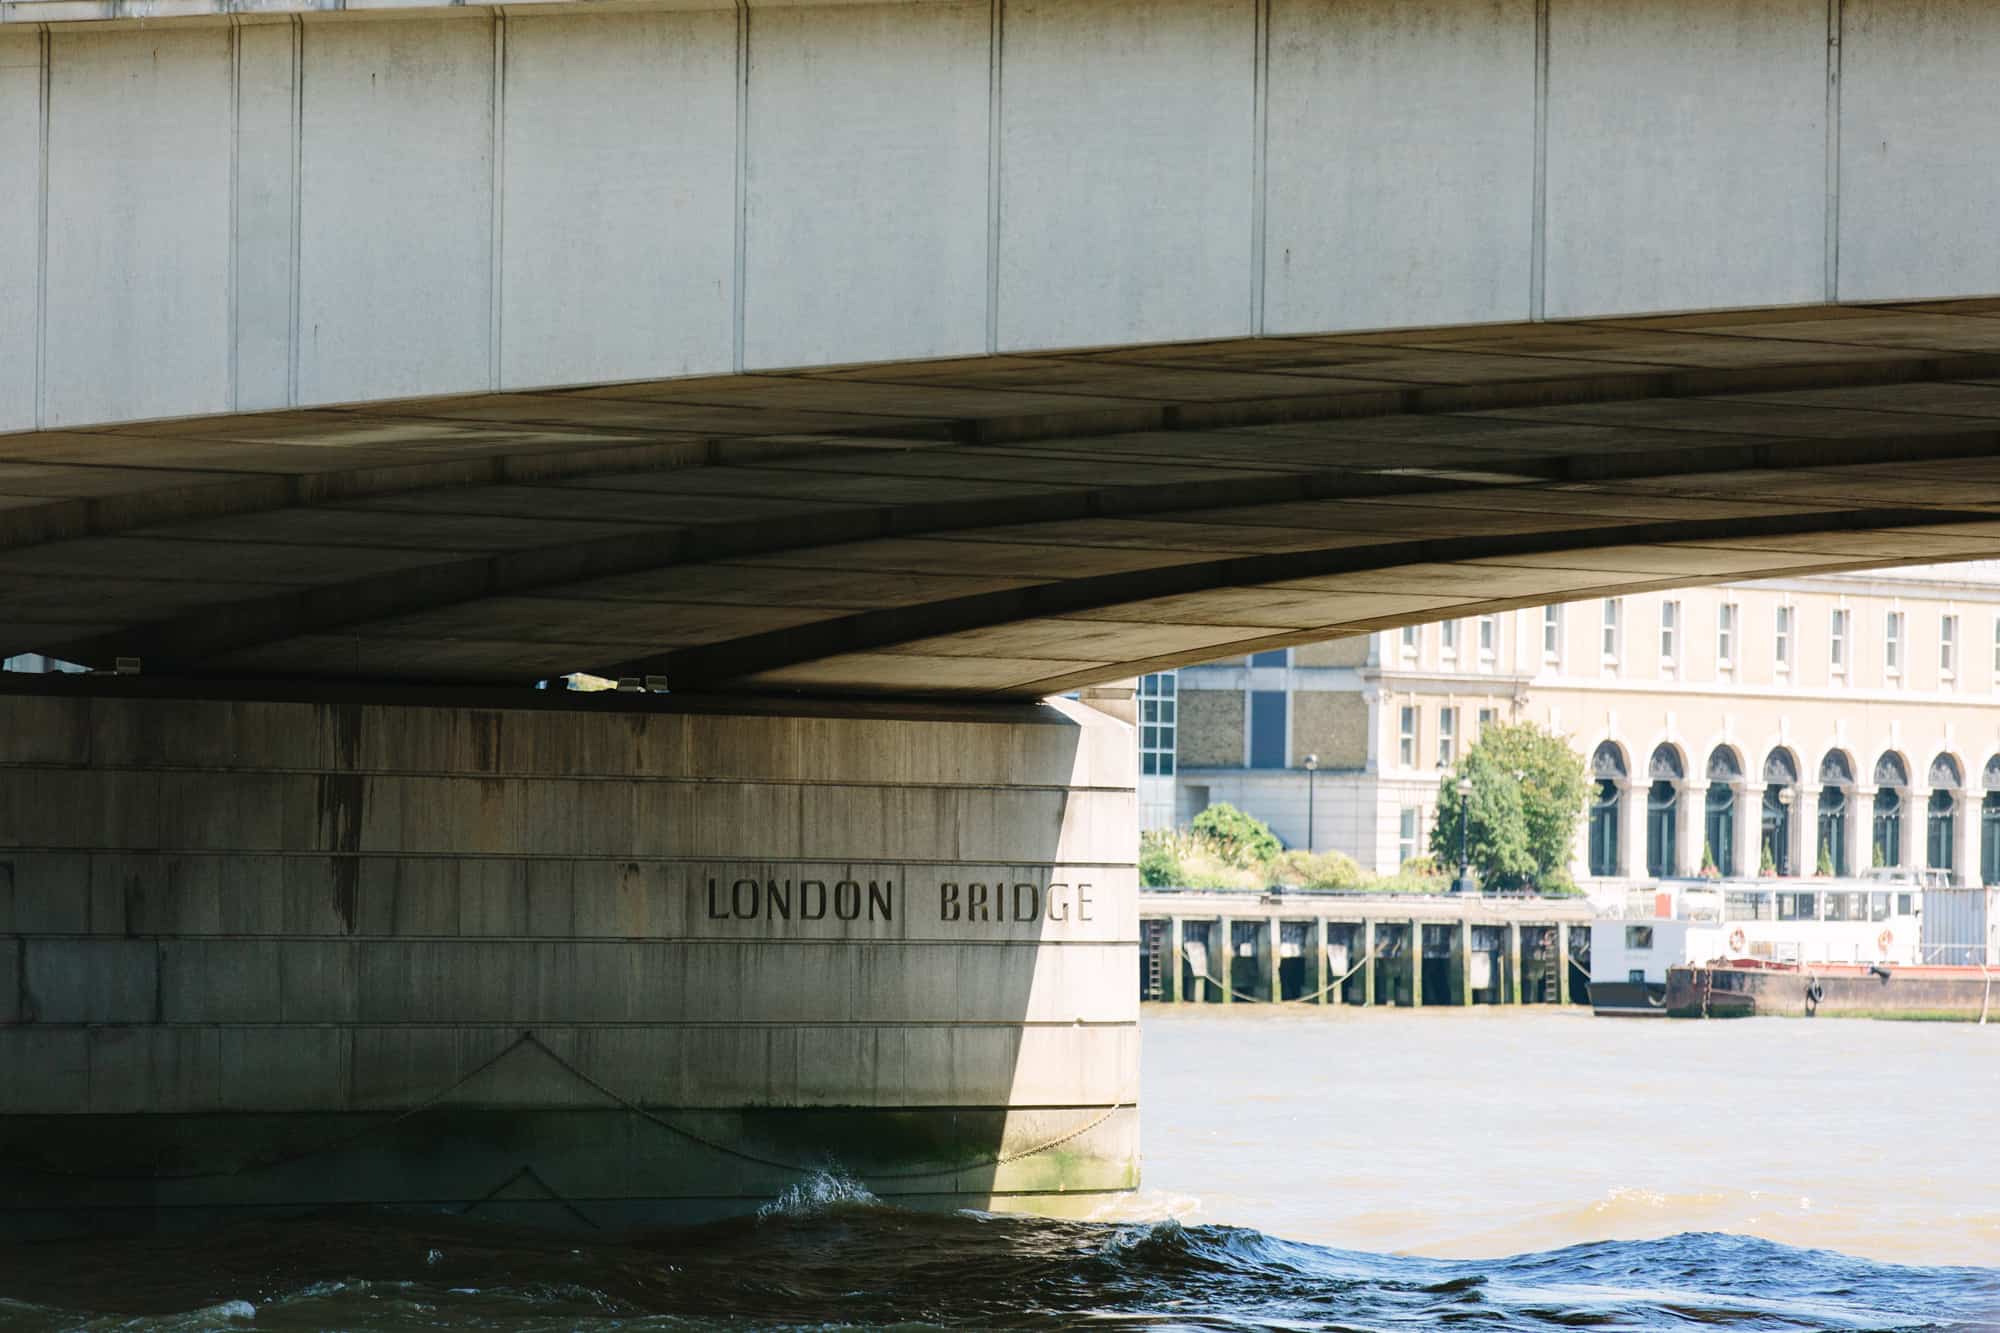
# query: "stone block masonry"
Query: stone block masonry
556,958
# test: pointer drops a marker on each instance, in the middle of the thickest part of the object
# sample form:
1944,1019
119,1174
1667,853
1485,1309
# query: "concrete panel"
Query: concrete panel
1126,163
395,244
90,981
138,224
618,234
1919,149
266,154
1399,163
866,227
20,223
1686,155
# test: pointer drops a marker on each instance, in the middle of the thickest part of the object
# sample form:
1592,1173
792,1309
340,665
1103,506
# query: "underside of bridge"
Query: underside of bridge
1006,526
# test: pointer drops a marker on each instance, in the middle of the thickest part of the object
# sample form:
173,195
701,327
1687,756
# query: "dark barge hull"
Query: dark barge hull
1628,999
1727,990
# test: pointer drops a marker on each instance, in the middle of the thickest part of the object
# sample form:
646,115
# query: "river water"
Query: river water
1305,1169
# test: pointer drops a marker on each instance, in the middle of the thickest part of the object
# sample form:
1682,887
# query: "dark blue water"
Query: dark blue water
833,1259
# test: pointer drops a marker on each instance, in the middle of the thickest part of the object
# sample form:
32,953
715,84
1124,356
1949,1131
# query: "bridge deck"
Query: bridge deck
1010,525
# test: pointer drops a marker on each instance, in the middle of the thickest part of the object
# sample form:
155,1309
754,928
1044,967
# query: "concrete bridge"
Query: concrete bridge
859,373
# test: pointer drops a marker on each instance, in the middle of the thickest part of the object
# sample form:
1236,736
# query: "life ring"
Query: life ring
1736,940
1884,940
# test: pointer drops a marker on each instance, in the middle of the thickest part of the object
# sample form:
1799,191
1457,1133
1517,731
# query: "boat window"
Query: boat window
1878,907
1748,905
1638,937
1798,907
1904,905
1637,976
1847,906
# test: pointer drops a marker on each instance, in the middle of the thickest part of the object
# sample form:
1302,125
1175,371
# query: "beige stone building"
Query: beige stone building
1836,721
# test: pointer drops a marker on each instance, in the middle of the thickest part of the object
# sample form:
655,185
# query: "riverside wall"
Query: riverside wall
556,959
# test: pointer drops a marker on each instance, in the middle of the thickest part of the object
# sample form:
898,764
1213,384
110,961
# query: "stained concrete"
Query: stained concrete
237,934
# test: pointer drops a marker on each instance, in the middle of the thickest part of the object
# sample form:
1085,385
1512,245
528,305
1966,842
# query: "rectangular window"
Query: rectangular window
1638,937
1613,627
1448,637
1406,732
1837,643
1725,636
1447,737
1277,657
1489,636
1670,623
1892,643
1487,717
1746,905
1157,708
1798,907
1996,651
1948,646
1783,646
1409,640
1406,835
1267,728
1552,621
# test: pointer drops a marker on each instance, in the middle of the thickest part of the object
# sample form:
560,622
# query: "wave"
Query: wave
823,1192
829,1254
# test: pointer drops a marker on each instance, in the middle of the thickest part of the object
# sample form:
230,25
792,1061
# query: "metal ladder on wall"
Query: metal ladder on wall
1156,963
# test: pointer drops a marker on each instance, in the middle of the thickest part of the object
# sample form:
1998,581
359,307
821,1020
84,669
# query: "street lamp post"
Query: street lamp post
1464,884
1312,767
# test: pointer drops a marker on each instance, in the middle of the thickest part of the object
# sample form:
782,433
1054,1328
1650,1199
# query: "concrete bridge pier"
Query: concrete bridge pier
553,958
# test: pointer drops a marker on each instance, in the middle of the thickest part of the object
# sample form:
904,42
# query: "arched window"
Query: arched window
1941,823
1663,810
1719,822
1781,780
1891,776
1607,768
1836,779
1989,823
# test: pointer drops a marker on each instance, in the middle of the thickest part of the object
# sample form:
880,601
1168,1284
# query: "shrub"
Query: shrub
1160,859
1240,839
1316,870
1406,881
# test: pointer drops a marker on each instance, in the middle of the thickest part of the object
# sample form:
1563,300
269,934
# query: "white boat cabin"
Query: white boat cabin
1674,923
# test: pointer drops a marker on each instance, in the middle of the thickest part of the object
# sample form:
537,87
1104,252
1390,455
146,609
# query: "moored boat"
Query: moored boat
1676,925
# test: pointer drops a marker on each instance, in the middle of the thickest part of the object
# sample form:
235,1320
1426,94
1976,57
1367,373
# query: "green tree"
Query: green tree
1240,839
1528,790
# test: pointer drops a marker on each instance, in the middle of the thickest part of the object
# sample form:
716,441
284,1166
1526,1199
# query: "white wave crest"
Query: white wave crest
823,1192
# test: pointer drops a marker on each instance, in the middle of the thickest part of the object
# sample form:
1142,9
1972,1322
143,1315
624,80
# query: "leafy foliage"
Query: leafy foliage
1317,870
1241,839
1528,790
1159,859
